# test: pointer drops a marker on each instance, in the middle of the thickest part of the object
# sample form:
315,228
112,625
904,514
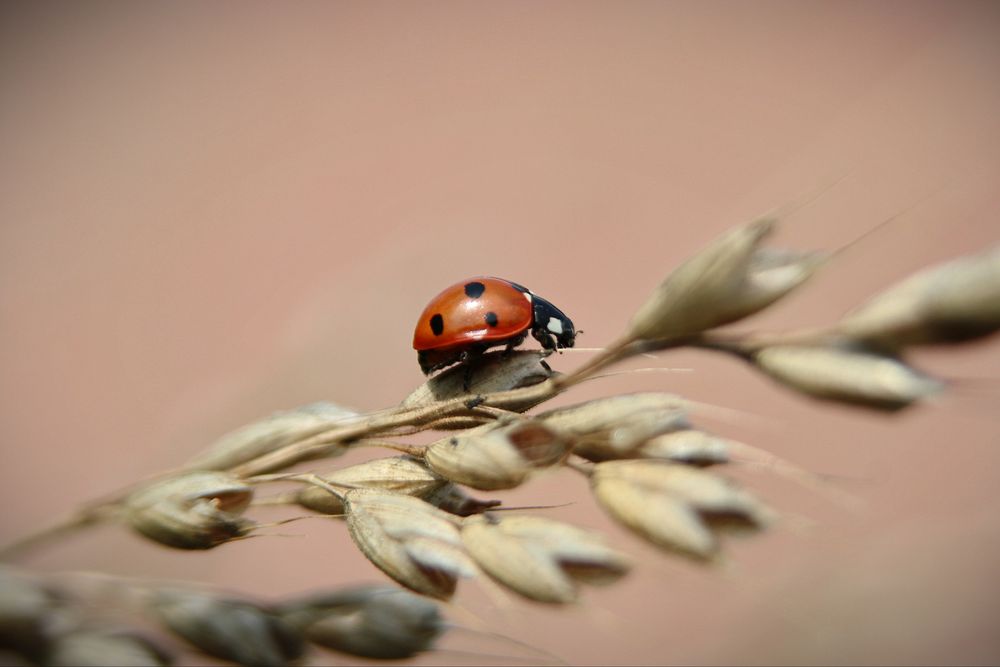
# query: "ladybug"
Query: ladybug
476,314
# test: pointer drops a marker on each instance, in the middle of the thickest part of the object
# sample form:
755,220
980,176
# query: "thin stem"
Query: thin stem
72,523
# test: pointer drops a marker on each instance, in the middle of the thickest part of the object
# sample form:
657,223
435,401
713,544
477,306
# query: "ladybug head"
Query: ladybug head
551,326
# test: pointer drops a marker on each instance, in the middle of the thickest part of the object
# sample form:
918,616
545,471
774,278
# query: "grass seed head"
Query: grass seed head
402,474
493,372
413,542
234,630
849,376
674,506
378,622
687,446
614,427
452,499
271,433
497,456
542,559
25,606
100,647
197,510
953,302
728,280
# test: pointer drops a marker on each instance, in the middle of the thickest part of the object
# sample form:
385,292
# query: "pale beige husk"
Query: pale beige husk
951,302
540,558
197,510
101,647
687,446
271,433
379,622
840,374
614,427
494,372
728,280
670,504
497,455
402,474
413,542
234,630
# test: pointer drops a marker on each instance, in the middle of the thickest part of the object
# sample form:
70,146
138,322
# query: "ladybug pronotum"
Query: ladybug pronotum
474,315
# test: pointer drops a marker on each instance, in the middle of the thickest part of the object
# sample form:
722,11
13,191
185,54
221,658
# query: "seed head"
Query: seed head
25,605
105,647
673,505
542,559
687,446
269,434
494,372
614,427
197,510
234,630
413,542
402,474
729,280
950,303
497,455
452,499
846,375
379,622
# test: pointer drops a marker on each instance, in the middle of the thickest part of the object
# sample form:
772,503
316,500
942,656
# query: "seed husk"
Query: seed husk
953,302
614,427
378,622
493,372
687,446
402,474
413,542
674,506
235,630
196,510
542,559
102,648
730,279
497,455
271,433
846,375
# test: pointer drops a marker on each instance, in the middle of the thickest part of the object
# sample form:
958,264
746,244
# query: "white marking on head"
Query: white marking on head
554,325
527,295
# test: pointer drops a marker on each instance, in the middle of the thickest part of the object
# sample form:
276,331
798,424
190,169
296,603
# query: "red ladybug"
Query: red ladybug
476,314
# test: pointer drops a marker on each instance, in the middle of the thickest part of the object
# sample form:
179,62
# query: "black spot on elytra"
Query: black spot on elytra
491,318
437,324
474,290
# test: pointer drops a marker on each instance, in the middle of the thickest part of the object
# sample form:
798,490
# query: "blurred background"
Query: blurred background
213,211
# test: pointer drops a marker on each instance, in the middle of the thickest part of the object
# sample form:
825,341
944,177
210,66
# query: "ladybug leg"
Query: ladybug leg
547,340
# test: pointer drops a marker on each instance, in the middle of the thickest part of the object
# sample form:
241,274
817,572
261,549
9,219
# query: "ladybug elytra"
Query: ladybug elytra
476,314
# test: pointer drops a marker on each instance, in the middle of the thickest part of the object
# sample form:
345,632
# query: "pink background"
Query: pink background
212,211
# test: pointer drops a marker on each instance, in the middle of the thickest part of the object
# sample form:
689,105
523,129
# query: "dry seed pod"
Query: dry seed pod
104,649
197,510
849,376
497,456
613,427
730,279
950,303
687,446
379,622
542,559
402,474
673,505
452,499
234,630
24,608
494,372
413,542
270,433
